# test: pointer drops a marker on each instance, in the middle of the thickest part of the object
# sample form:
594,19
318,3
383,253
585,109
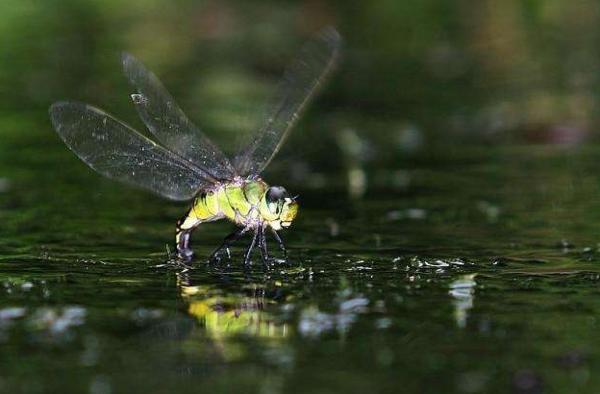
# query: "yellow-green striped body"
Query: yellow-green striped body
236,202
244,202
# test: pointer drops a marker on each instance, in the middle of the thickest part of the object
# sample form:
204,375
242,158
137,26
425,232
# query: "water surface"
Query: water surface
477,273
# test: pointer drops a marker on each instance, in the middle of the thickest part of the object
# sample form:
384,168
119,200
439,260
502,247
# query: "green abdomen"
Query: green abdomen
235,202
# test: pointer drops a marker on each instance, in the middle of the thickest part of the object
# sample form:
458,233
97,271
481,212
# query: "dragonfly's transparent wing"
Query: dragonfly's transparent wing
299,84
117,151
170,125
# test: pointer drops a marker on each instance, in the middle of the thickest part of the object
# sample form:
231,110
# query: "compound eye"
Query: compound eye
276,193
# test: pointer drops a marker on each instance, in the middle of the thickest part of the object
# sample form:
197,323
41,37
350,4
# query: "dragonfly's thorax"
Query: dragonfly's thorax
249,203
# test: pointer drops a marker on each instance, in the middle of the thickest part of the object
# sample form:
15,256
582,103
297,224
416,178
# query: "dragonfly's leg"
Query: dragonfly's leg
251,247
281,245
227,242
262,244
184,230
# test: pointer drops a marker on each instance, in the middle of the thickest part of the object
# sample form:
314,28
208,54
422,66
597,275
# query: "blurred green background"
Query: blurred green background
413,73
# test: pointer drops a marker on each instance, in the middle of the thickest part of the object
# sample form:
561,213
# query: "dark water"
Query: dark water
478,272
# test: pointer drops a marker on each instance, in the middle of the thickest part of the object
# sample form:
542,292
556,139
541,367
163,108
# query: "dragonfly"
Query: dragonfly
181,163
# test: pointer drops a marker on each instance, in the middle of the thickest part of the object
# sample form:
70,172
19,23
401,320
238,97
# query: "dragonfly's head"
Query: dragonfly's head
278,208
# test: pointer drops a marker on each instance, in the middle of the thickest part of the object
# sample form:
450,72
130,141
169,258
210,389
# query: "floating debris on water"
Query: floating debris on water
8,315
411,214
359,268
565,245
142,315
418,262
462,290
58,321
355,304
313,322
292,270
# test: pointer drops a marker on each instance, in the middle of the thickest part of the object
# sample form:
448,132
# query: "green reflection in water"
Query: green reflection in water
228,314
